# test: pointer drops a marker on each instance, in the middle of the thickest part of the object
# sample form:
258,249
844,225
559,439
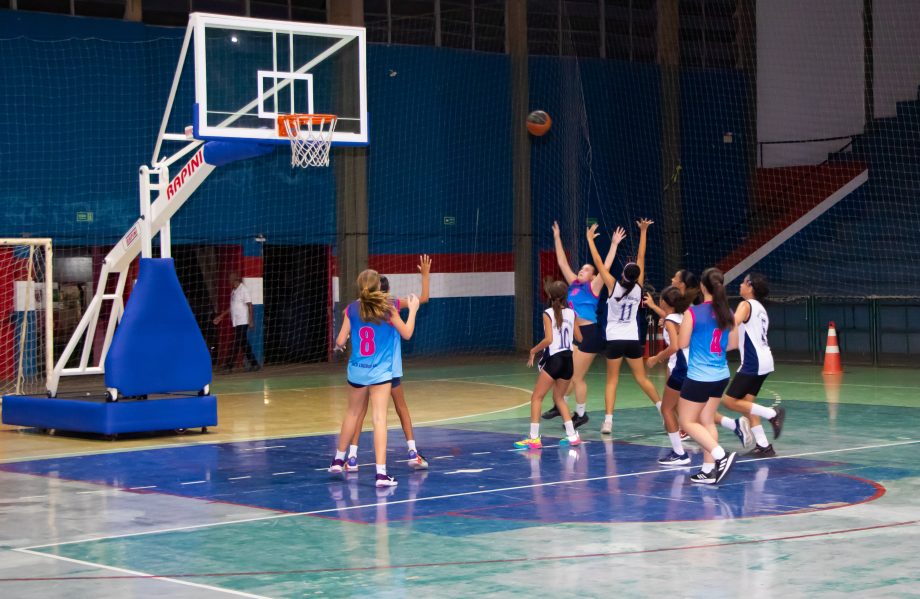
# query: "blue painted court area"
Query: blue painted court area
475,476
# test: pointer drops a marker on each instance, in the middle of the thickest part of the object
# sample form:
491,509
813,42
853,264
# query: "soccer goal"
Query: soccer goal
27,325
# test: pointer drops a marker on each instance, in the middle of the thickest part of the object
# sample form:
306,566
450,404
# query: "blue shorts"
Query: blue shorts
676,380
397,381
702,391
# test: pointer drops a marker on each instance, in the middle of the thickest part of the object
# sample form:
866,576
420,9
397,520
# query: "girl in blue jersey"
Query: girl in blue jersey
555,366
622,332
415,459
671,307
584,289
756,364
372,322
708,331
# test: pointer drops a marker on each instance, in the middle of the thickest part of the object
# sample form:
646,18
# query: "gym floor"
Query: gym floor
249,509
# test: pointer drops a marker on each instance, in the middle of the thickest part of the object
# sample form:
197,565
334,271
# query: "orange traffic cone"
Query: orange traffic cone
832,354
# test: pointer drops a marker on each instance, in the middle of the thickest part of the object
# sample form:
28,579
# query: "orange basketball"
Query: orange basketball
538,123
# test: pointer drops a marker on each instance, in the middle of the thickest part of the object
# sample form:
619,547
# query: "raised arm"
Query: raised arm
618,236
651,305
640,258
405,329
596,256
424,267
560,256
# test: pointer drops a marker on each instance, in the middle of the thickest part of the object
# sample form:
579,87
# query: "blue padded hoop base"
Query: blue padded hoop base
158,347
110,418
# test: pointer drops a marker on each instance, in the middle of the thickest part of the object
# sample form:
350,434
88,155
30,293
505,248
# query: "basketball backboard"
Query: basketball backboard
250,71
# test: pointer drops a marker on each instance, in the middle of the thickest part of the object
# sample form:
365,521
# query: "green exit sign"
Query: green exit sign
450,220
84,217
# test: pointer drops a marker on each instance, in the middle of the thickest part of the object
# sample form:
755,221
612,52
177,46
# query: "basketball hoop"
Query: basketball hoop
310,136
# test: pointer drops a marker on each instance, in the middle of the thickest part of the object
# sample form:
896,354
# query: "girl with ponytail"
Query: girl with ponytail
555,365
708,331
622,331
372,322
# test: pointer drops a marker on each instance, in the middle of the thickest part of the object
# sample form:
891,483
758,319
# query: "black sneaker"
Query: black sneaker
552,413
761,452
724,465
777,421
703,478
579,420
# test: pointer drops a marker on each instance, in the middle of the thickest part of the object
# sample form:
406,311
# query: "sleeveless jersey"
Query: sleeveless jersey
677,363
562,338
583,301
756,357
622,314
372,346
708,344
397,347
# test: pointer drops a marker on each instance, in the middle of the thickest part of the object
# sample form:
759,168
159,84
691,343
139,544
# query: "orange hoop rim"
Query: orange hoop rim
300,119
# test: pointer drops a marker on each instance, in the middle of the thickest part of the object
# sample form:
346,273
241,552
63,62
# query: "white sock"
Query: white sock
381,468
608,418
534,430
658,406
676,445
352,451
708,467
717,453
760,436
728,423
580,409
411,444
569,428
339,455
758,410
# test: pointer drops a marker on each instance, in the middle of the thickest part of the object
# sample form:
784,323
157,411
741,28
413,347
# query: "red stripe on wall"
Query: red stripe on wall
251,266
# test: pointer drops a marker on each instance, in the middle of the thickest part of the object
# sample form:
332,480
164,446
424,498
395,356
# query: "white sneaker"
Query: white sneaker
607,427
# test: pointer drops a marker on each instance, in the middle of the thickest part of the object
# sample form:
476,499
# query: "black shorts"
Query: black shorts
623,349
745,384
396,382
676,381
558,366
701,391
357,386
592,339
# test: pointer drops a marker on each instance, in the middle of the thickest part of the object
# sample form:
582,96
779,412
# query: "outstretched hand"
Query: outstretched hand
556,229
649,300
619,235
530,360
644,223
592,232
413,302
424,264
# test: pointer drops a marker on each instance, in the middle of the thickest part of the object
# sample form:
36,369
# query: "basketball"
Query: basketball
538,123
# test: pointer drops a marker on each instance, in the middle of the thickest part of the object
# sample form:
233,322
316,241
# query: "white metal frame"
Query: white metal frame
200,21
162,194
48,292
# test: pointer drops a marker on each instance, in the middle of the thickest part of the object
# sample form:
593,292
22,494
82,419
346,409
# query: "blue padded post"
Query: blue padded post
158,347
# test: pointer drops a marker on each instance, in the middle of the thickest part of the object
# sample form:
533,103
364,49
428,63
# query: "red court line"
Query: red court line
464,563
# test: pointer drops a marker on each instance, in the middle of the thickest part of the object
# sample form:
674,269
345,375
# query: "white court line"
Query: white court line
139,488
277,437
450,495
263,448
194,482
140,574
238,477
281,473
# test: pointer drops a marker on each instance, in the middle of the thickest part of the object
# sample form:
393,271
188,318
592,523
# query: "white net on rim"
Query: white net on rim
311,138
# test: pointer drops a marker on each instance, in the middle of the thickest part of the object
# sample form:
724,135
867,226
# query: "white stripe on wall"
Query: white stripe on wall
448,284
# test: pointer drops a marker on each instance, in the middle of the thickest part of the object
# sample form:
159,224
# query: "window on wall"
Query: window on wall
707,33
630,30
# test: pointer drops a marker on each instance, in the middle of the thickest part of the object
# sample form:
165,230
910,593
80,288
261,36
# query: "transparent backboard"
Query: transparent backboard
250,71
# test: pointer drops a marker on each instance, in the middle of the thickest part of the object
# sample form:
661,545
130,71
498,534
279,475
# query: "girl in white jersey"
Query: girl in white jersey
555,366
622,327
756,364
672,305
